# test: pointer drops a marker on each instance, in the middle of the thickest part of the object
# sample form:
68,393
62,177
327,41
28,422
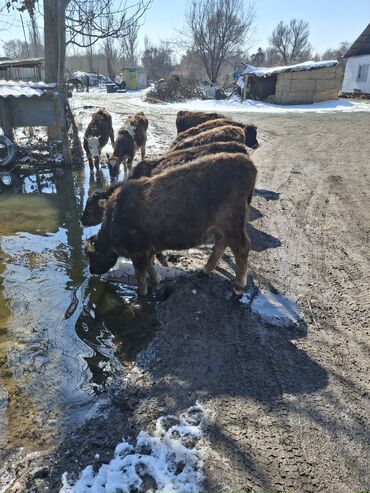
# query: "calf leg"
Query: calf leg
129,164
153,274
143,150
91,163
141,266
97,160
217,252
240,246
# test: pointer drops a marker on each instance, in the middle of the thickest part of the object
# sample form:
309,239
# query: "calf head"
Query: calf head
94,209
94,147
251,136
101,257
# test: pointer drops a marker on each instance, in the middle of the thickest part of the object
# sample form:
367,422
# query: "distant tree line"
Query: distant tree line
100,38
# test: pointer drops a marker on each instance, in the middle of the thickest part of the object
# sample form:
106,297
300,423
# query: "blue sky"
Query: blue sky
331,21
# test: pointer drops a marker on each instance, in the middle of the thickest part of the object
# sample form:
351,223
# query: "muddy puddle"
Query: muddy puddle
65,337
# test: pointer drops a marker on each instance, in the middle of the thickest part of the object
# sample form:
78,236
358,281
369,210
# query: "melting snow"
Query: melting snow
275,309
298,67
167,460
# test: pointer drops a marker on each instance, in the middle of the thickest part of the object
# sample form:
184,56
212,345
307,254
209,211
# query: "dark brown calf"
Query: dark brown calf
96,136
188,119
130,138
95,205
226,133
179,157
250,131
177,210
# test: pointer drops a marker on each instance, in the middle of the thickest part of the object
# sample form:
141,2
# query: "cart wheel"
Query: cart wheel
8,152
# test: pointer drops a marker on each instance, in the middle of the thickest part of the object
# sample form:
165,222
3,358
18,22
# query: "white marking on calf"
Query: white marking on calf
94,148
131,129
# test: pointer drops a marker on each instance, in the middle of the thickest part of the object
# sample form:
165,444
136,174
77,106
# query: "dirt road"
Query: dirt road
289,404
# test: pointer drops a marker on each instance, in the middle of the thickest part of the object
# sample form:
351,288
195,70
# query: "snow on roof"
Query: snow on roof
28,89
299,67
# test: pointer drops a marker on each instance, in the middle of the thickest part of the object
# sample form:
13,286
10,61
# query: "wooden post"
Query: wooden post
6,118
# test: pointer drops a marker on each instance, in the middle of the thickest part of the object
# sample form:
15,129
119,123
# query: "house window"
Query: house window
362,73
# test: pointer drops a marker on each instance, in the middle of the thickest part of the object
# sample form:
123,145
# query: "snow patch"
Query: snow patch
275,309
249,105
169,460
298,67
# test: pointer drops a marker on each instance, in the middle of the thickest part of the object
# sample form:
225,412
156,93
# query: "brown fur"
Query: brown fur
127,145
226,133
188,119
94,210
250,130
177,210
182,156
99,126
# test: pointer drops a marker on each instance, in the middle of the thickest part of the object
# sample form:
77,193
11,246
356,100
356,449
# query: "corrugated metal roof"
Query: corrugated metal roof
28,89
299,67
361,46
26,62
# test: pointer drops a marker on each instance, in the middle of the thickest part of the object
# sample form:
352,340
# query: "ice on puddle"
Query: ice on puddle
276,309
167,461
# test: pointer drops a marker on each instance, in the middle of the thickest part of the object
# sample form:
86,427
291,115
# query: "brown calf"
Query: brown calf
95,205
250,131
188,119
177,210
226,133
96,136
130,138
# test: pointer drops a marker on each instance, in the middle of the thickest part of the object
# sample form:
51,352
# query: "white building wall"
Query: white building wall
350,75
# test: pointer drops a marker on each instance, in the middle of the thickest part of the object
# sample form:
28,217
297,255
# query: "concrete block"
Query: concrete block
300,75
283,85
301,85
325,95
323,73
326,85
298,97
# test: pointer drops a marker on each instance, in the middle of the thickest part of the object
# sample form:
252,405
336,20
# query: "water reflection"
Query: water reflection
64,337
114,327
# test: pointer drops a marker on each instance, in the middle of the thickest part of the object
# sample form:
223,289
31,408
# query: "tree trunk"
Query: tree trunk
55,54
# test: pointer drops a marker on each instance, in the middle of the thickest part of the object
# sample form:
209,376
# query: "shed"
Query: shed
29,69
302,83
26,104
134,79
356,75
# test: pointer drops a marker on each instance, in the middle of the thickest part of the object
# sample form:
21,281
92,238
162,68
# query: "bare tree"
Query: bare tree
15,48
36,45
94,20
130,54
291,40
218,29
157,60
331,54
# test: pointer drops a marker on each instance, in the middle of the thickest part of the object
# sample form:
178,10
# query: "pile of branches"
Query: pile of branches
172,89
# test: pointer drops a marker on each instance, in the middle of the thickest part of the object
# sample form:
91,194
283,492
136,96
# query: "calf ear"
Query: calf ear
102,203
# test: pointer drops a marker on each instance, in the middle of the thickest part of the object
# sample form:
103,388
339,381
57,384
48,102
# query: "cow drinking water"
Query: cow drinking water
177,210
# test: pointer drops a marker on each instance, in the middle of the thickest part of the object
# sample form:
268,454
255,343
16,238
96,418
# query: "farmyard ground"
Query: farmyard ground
288,402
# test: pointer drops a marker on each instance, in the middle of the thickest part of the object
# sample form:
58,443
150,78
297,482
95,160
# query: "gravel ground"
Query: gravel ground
290,404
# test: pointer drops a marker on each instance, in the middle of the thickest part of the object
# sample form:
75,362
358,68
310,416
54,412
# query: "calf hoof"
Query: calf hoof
238,291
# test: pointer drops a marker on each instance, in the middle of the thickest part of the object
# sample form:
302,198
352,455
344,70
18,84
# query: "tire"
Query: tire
8,161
